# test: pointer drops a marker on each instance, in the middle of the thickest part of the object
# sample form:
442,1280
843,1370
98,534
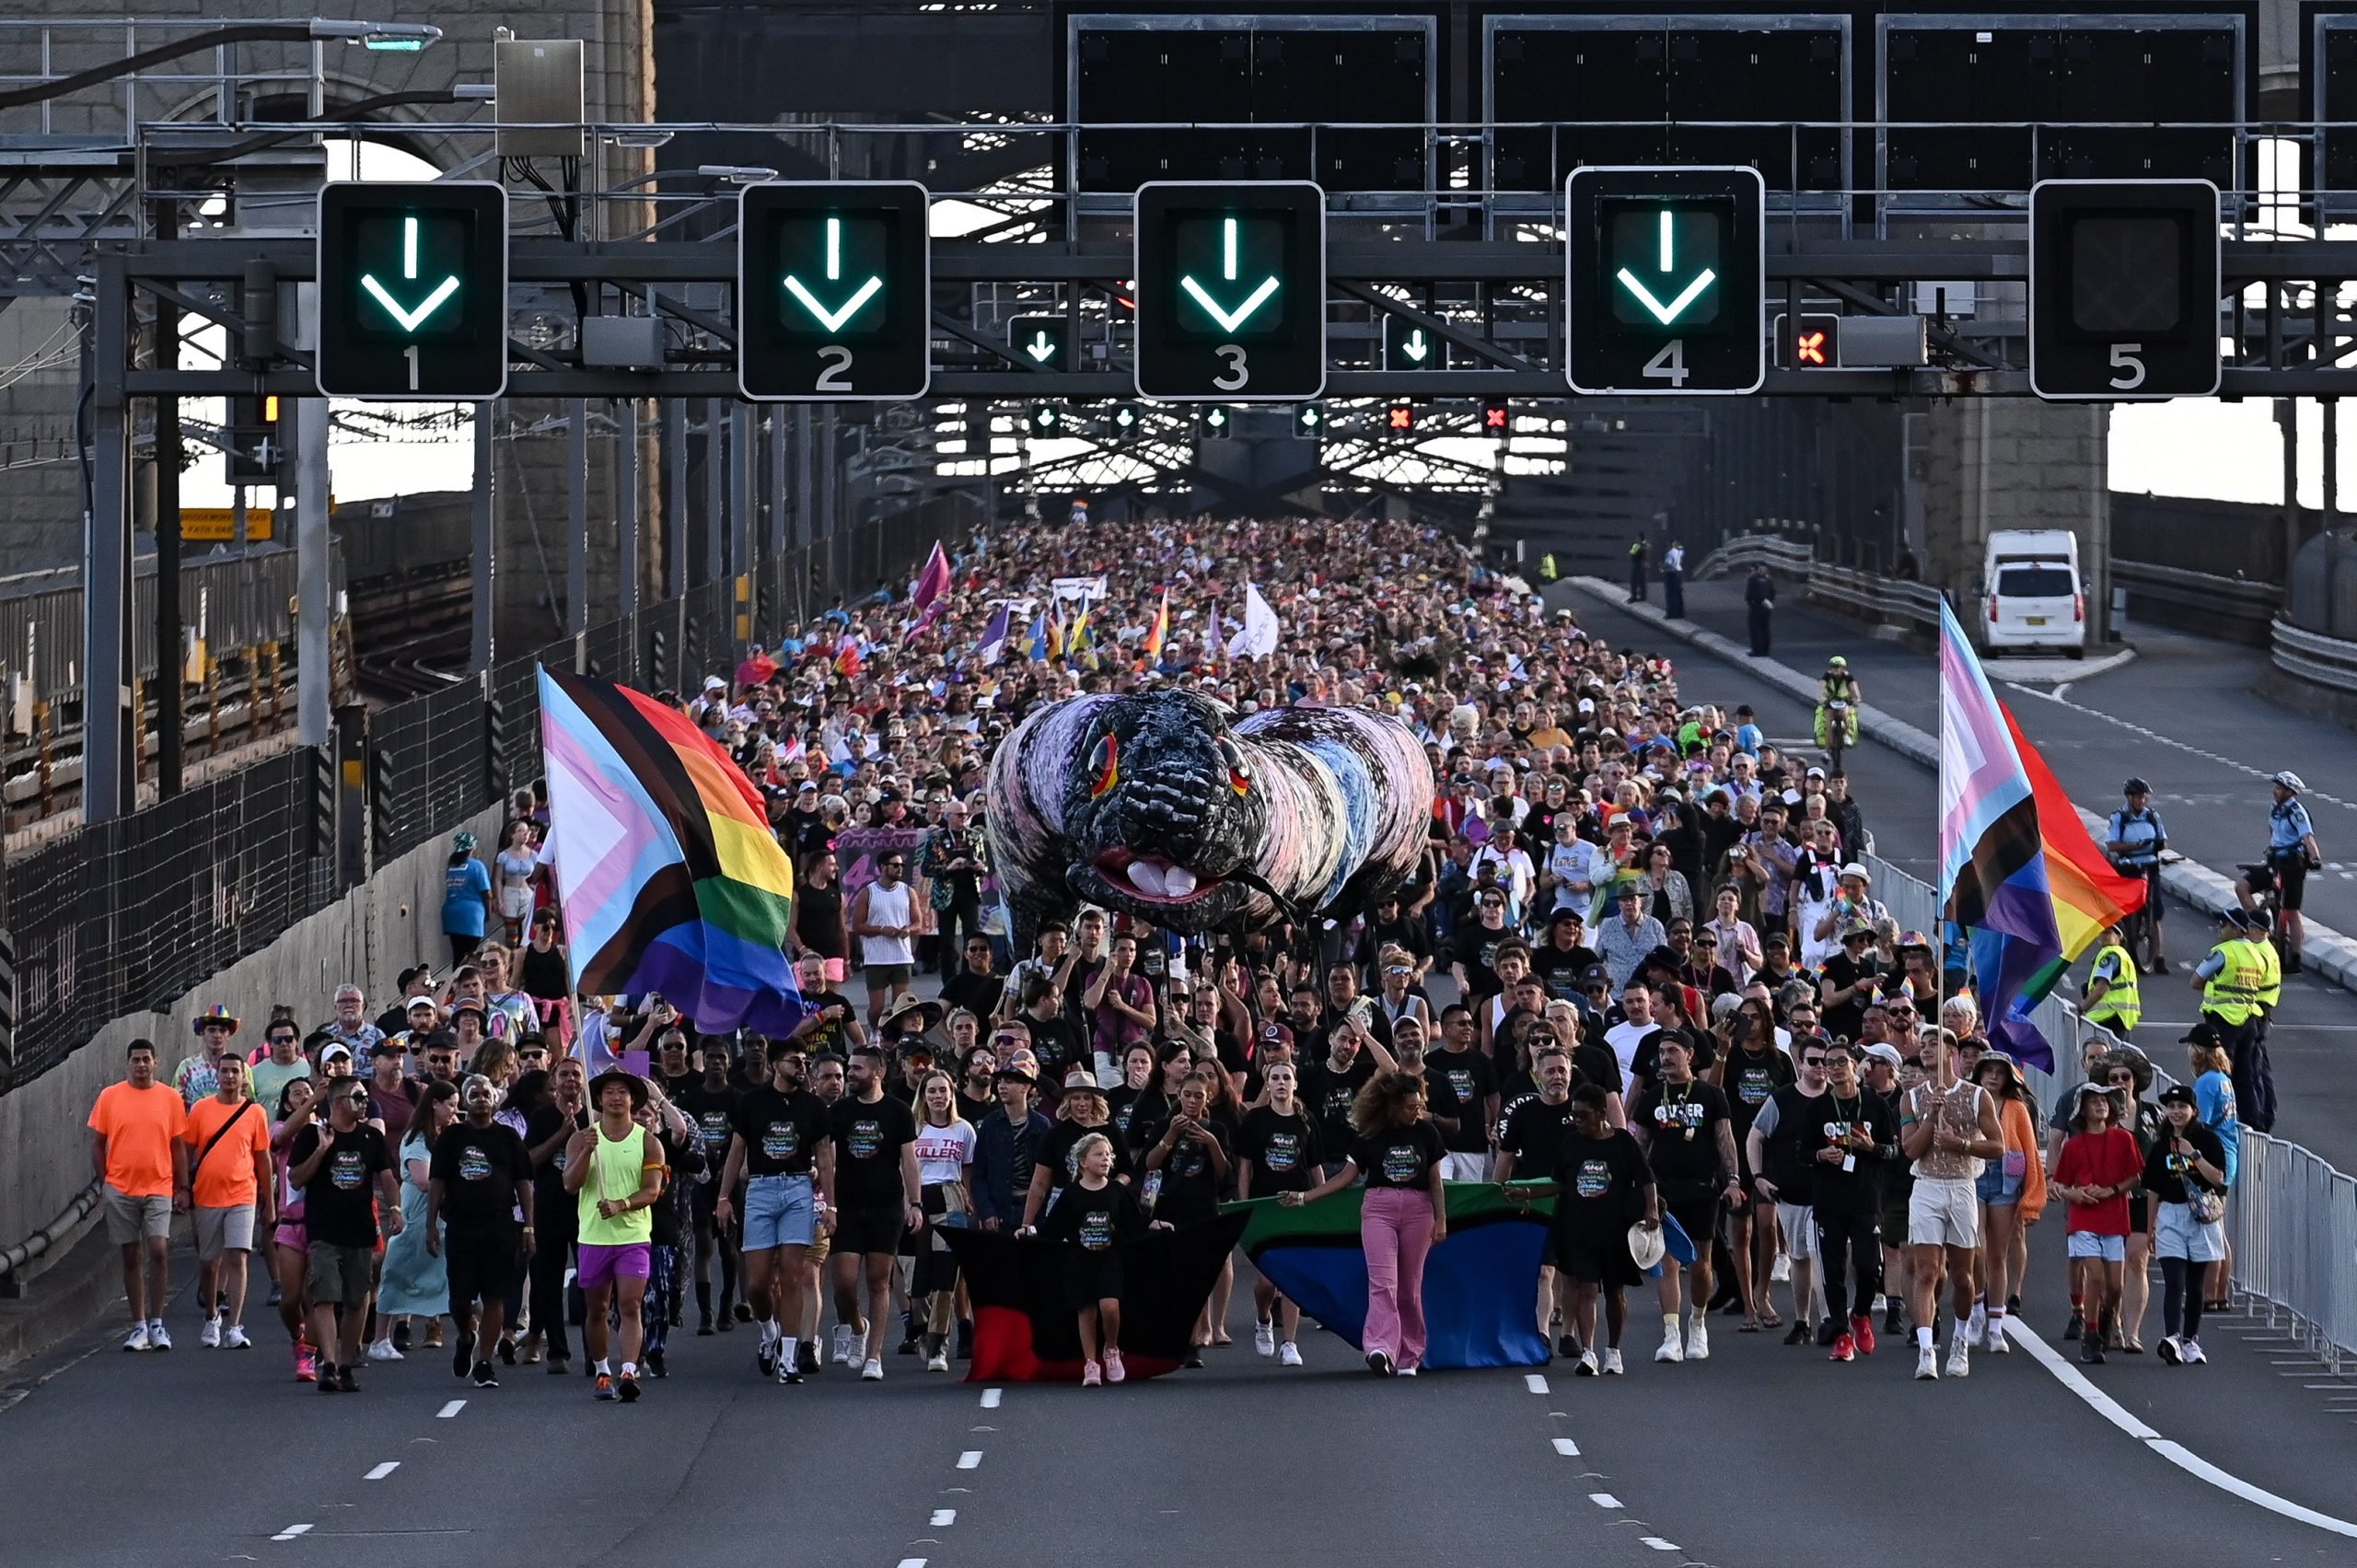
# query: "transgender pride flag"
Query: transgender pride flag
1993,880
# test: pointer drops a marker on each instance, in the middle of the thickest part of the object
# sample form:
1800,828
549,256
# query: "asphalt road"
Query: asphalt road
2182,716
1765,1456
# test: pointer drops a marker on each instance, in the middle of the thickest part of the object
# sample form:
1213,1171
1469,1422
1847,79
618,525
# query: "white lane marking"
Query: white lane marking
2064,690
912,1563
1604,1500
2232,764
991,1398
453,1407
971,1460
381,1471
944,1517
291,1531
1566,1447
1658,1544
2175,1453
1534,1382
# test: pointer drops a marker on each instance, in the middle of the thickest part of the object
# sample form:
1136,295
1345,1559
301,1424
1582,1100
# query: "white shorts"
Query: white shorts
2087,1243
1799,1221
2176,1234
1943,1211
1465,1167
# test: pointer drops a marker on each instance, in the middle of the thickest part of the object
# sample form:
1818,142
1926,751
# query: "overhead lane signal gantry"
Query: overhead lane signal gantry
1665,280
1231,291
2124,289
834,299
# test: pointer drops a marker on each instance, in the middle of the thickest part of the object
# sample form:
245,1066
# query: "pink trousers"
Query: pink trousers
1396,1229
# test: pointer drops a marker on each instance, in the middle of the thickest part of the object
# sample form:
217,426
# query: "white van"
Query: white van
2032,595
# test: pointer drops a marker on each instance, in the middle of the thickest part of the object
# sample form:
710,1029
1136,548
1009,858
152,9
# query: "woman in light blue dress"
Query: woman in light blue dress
416,1283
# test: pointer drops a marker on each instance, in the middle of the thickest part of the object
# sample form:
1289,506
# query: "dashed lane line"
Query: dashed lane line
381,1471
971,1460
1604,1500
944,1517
453,1407
1534,1382
2233,764
991,1398
291,1531
1566,1447
1658,1544
2175,1453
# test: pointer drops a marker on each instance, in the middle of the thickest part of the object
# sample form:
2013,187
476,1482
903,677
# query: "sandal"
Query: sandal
1769,1320
1750,1325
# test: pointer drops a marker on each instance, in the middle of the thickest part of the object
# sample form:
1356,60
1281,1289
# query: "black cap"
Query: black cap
2181,1094
2201,1034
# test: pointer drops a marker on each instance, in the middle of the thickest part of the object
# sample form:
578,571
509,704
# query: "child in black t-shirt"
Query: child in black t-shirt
1095,1216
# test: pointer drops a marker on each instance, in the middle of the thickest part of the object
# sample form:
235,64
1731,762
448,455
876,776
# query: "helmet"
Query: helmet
2290,781
1837,662
2135,786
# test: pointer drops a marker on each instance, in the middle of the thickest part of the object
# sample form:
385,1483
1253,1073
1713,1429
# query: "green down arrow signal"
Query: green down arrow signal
410,318
833,319
1229,320
1042,347
1666,314
1415,347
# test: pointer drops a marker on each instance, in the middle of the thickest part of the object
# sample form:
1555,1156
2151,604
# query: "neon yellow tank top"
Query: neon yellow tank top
616,1167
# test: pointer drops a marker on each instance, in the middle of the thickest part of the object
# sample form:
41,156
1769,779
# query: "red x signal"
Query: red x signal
1403,416
1496,416
1809,348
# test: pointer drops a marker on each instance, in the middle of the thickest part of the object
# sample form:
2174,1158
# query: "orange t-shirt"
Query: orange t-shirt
140,1125
225,1179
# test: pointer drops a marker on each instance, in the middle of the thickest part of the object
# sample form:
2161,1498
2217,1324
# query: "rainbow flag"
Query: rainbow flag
1159,632
1994,877
669,875
2089,896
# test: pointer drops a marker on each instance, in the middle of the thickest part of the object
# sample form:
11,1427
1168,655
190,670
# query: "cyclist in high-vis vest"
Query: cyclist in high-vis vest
2113,999
2235,981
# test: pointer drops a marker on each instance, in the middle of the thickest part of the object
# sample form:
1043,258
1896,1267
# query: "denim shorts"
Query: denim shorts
1994,1188
780,1211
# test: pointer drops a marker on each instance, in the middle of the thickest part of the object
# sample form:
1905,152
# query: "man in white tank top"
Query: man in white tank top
1946,1127
883,918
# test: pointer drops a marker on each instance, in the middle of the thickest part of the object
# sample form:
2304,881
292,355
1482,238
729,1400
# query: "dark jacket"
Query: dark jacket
997,1145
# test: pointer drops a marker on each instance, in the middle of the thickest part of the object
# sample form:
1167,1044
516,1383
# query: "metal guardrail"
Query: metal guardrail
1868,596
1778,552
2312,656
2293,1216
2198,601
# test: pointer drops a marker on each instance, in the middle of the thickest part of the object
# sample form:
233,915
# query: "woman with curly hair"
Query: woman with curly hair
1403,1218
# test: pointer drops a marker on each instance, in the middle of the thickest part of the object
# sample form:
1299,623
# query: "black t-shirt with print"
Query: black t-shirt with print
1399,1156
713,1114
1533,1132
480,1170
1681,1123
339,1202
828,1036
1602,1178
869,1137
1096,1222
1190,1184
1560,971
1476,946
1283,1150
1749,1078
1471,1080
783,1131
1330,1095
1055,1153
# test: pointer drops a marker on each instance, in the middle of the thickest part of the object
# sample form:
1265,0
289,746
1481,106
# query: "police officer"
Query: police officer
2233,982
2254,1072
2134,838
2112,997
2291,853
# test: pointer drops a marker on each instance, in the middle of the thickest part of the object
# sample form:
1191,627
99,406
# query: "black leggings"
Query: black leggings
1846,1242
712,1240
549,1261
2181,1296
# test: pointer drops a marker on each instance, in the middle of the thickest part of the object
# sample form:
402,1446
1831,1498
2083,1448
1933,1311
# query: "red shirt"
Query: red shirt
2107,1158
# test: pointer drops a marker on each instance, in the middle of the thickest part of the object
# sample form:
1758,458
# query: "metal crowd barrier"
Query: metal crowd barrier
2292,1216
2311,656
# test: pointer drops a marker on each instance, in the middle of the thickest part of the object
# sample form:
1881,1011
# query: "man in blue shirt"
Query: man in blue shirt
2291,853
2134,839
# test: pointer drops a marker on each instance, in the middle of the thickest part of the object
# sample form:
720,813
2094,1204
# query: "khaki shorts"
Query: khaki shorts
227,1229
339,1275
1943,1211
131,1219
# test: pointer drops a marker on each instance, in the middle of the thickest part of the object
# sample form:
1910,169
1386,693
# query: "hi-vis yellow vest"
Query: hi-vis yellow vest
2270,984
2233,992
2122,1007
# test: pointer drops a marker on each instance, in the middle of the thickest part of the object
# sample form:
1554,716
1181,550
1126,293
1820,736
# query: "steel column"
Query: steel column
314,675
576,516
480,656
108,728
626,505
674,496
715,508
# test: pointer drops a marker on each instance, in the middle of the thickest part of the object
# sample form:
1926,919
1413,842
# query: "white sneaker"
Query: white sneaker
1612,1364
157,1338
1586,1367
234,1338
1264,1339
1698,1340
382,1350
1672,1347
1927,1364
2192,1352
937,1362
1959,1358
1406,1372
1976,1329
873,1371
844,1344
1994,1340
137,1338
1781,1271
210,1335
1288,1354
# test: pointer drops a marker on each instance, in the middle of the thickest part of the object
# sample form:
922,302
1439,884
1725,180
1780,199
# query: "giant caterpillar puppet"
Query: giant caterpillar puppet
1157,805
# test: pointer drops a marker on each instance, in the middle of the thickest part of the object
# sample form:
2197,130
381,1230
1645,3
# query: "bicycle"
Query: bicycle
2141,931
2266,893
1833,730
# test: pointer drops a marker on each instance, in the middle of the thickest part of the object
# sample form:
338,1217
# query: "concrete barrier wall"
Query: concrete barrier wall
369,936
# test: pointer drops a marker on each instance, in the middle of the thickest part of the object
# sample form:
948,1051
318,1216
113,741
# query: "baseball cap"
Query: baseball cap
1883,1050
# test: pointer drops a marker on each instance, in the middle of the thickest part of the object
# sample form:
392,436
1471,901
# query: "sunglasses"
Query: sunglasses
1813,1061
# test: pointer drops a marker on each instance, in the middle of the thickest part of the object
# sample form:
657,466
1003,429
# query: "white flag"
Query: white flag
1259,638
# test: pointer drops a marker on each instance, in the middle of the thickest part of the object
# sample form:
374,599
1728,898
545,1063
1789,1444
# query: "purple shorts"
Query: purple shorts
599,1267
